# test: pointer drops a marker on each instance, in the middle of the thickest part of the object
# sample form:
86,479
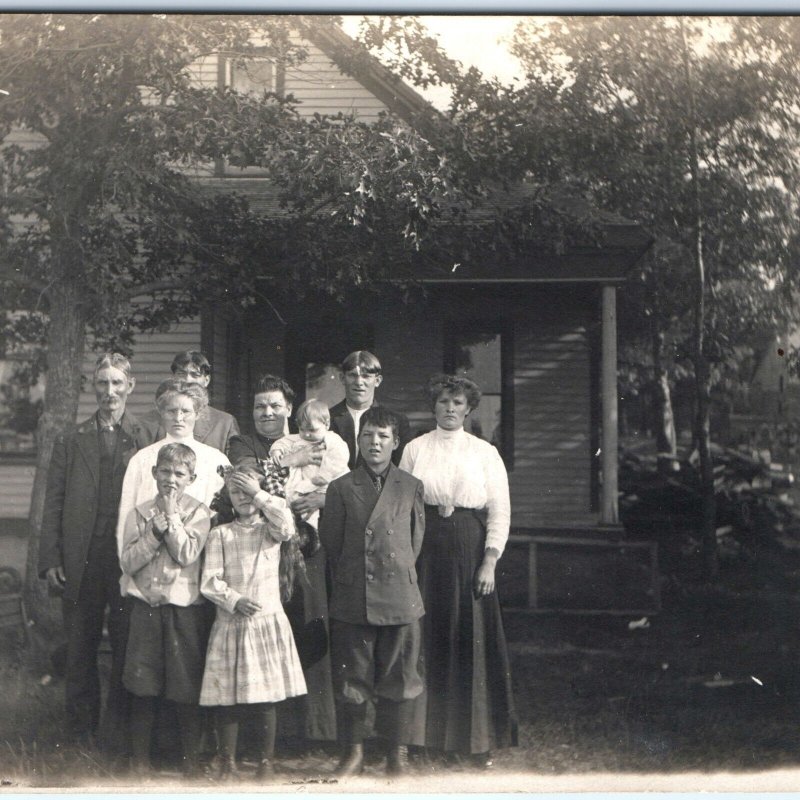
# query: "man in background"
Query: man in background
213,427
362,375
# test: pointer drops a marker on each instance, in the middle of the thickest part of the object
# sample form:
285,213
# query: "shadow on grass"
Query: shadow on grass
709,684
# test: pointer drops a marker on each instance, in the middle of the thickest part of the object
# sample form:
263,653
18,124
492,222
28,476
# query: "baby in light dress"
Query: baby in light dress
313,420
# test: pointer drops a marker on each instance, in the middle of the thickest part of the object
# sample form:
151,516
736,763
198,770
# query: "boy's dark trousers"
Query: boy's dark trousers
376,662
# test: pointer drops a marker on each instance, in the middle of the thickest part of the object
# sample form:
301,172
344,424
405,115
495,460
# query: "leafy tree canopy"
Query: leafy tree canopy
620,90
107,136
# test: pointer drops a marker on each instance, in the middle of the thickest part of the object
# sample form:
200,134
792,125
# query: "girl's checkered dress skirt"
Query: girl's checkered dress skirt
249,659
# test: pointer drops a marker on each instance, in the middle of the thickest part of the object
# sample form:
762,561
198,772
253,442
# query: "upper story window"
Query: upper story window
255,76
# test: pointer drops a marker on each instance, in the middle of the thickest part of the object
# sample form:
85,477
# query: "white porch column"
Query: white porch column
609,512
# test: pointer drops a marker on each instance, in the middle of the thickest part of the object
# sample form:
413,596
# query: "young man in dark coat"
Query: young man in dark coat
78,550
372,532
213,427
362,375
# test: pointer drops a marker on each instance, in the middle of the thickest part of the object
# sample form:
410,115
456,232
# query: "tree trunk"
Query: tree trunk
702,376
66,342
708,515
665,436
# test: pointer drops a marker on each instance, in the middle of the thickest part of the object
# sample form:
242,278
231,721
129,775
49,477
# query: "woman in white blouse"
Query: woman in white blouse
469,707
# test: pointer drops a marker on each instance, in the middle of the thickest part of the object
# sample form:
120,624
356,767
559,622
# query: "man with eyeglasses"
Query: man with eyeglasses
362,375
213,427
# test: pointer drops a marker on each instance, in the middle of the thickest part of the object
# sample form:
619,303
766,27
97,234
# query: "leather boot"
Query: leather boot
352,762
265,770
397,760
228,770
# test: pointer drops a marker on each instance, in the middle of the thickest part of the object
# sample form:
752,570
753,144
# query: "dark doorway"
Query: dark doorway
314,351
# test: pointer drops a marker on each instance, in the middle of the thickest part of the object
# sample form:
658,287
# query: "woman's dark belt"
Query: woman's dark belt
479,513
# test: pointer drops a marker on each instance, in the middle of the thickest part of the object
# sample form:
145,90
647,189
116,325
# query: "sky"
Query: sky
479,41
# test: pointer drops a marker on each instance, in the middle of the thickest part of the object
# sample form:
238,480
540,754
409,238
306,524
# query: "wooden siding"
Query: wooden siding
204,70
322,89
551,480
316,83
23,137
16,484
152,356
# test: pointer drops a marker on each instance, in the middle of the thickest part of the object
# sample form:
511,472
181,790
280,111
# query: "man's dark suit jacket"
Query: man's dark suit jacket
213,427
372,544
71,500
342,423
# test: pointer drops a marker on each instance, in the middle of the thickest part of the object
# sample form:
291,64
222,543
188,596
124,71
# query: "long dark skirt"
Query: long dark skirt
468,702
311,716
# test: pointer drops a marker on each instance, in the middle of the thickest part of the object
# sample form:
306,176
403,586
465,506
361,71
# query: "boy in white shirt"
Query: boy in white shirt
163,538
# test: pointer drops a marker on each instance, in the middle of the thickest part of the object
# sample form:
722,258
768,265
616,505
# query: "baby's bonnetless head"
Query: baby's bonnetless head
174,469
313,420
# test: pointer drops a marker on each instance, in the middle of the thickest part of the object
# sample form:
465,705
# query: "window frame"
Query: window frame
22,355
455,331
225,79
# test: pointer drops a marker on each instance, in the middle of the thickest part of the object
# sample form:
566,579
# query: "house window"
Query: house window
314,351
254,76
481,351
21,401
324,382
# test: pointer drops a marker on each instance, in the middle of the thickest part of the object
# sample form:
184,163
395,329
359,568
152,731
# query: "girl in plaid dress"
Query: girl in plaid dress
252,662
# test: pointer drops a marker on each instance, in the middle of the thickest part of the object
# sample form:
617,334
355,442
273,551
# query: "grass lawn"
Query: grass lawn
710,685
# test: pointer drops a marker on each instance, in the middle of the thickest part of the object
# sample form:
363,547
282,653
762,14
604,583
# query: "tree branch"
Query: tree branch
153,287
23,281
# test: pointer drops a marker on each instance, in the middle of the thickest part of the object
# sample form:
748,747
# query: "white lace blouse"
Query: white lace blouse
461,470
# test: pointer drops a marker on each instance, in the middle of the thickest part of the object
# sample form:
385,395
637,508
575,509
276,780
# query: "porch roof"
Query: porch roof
603,246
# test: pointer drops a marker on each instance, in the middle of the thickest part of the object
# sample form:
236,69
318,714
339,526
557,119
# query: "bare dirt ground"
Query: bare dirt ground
703,696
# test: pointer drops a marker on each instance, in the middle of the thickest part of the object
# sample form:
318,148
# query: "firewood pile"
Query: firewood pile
754,506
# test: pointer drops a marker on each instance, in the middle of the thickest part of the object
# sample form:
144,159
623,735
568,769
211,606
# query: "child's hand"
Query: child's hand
246,606
303,456
160,525
170,502
246,483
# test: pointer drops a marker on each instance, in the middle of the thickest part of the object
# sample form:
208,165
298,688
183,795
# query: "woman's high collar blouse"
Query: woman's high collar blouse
461,470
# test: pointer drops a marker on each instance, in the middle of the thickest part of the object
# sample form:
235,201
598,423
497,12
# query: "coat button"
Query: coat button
390,532
370,576
369,532
391,555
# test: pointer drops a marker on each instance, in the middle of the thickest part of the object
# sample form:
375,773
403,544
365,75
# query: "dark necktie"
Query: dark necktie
377,482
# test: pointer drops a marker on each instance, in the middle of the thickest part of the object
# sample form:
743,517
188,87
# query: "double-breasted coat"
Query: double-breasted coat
71,500
372,542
